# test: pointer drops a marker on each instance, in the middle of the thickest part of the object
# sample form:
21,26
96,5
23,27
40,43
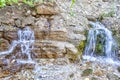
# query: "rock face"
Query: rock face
56,22
58,30
50,31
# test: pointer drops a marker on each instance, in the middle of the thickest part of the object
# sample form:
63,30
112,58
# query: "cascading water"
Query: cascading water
25,40
100,44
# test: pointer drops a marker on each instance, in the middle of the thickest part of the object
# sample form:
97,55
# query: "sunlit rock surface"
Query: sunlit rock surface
58,30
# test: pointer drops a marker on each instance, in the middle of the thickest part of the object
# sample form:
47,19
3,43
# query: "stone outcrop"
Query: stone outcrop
51,34
58,30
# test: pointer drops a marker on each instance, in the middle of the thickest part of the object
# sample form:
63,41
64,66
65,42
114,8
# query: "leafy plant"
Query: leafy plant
10,2
71,6
2,3
7,2
29,2
73,1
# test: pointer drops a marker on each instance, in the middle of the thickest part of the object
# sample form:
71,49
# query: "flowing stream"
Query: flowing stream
101,46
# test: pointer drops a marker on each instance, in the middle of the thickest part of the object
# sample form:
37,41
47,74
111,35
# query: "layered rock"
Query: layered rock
50,31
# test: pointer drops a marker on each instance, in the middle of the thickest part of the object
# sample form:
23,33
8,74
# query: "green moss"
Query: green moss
81,47
0,41
87,72
118,40
82,44
3,3
99,50
71,56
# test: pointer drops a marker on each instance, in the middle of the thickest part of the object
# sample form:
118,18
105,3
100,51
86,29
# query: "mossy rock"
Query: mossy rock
87,72
71,56
81,47
94,78
118,40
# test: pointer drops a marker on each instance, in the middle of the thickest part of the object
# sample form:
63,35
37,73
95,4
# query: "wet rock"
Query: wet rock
87,72
118,69
28,66
99,73
47,8
4,44
14,68
10,35
1,34
3,62
112,76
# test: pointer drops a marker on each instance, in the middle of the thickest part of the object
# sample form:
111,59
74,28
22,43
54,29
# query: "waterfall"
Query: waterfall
25,40
100,44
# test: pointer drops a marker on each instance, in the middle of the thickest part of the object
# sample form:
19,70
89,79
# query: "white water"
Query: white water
107,44
25,40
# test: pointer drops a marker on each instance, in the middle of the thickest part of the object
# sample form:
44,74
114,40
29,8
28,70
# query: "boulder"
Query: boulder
47,9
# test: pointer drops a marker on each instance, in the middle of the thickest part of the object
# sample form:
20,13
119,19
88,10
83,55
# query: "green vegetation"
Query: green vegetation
82,44
3,3
0,41
72,3
7,2
81,47
99,50
87,72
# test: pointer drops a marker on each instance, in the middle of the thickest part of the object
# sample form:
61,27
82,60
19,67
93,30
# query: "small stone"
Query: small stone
86,79
33,13
98,73
18,22
87,72
111,76
91,18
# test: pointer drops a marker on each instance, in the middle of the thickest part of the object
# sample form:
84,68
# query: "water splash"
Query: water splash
25,40
100,44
